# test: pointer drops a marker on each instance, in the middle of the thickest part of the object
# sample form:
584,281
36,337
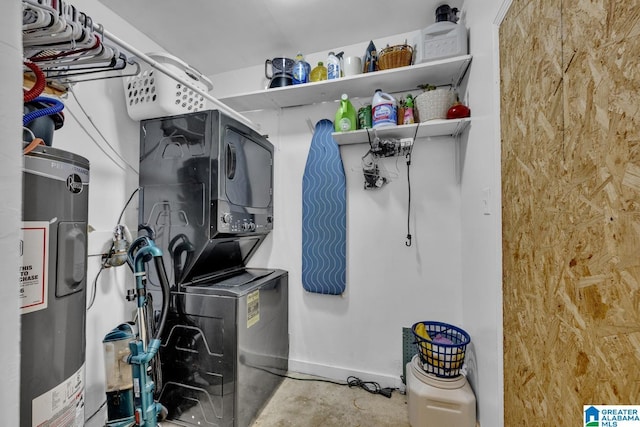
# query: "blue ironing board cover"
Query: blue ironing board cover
324,215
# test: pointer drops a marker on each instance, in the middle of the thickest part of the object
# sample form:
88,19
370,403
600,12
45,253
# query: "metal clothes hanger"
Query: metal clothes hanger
118,71
66,45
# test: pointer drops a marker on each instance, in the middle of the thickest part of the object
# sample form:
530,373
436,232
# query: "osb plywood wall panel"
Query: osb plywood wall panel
570,117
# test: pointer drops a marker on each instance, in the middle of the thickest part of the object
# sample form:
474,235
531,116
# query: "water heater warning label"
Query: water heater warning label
33,278
63,405
253,308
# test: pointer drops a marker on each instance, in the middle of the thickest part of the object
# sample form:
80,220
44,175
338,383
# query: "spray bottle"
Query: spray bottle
408,111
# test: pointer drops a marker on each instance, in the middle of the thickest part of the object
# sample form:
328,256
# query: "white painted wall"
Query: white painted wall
389,285
10,208
451,273
481,233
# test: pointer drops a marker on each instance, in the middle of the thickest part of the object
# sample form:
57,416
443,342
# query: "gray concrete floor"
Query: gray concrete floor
320,404
315,404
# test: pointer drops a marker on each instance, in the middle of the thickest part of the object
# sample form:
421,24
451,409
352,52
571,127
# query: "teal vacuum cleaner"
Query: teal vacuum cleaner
128,356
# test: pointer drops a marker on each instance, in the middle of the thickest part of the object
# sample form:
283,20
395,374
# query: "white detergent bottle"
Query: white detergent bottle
383,110
333,67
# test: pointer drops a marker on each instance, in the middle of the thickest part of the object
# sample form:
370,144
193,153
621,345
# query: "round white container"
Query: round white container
436,402
352,66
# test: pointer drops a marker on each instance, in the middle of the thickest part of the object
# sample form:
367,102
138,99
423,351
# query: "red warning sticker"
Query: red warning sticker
33,280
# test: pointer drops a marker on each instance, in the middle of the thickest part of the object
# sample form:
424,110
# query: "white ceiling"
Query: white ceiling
217,36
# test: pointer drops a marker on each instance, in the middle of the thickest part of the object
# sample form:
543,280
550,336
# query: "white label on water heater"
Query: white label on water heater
33,274
63,405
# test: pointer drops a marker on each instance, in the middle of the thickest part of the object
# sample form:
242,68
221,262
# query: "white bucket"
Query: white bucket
436,402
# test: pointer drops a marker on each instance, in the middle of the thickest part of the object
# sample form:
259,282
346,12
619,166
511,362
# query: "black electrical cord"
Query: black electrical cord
95,280
127,204
408,157
408,242
105,260
96,412
370,386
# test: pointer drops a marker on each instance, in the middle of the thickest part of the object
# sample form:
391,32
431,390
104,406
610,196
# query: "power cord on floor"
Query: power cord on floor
370,386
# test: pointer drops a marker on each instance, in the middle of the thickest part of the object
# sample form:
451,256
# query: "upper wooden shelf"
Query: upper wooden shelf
449,71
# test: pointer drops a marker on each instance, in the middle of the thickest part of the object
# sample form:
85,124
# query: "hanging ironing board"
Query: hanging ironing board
324,215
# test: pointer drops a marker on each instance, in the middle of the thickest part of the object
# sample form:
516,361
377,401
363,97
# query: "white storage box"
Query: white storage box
436,402
444,40
151,93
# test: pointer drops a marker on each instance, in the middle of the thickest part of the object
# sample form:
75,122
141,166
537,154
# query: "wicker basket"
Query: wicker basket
434,104
395,56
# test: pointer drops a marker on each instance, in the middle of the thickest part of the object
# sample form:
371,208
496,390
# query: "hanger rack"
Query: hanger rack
62,42
70,47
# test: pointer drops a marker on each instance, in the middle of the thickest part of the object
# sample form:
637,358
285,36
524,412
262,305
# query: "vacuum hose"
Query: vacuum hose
143,250
55,108
164,284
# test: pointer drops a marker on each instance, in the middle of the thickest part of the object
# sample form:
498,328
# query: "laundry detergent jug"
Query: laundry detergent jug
383,110
301,70
346,117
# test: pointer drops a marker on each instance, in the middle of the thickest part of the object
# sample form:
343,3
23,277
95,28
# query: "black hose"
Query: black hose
164,285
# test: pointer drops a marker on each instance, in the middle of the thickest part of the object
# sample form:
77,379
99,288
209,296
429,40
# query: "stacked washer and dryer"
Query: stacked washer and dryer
206,195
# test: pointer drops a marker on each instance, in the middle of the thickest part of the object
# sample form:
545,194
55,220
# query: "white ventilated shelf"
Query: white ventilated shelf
429,128
449,71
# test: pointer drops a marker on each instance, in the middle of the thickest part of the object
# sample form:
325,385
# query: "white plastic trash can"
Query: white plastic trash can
437,402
